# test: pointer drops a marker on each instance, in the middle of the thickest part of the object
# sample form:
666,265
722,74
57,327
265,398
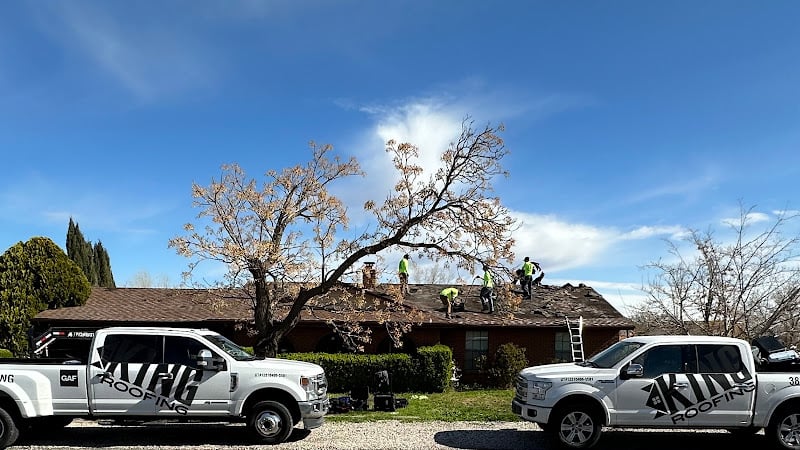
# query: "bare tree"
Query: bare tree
270,236
746,287
143,279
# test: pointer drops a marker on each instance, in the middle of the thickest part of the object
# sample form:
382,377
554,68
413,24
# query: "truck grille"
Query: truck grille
521,388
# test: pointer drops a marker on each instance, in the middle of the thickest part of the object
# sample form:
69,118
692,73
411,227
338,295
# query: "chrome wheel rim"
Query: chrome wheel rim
576,428
789,431
268,424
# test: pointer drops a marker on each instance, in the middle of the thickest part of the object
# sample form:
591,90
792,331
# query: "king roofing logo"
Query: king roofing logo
710,391
145,382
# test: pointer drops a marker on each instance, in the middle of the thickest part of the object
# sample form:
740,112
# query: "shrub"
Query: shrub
35,276
507,362
434,368
5,353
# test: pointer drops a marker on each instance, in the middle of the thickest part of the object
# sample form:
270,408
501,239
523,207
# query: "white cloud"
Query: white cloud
679,186
750,218
150,59
646,232
559,245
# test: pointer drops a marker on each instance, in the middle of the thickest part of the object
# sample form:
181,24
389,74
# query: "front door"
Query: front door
661,395
190,390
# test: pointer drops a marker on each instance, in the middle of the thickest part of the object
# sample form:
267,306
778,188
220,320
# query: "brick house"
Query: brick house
539,324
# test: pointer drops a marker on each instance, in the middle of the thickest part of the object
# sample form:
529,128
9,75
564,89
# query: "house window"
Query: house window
563,347
477,345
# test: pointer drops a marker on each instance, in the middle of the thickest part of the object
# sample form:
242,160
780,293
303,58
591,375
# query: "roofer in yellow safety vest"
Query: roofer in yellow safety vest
448,297
402,271
527,280
487,291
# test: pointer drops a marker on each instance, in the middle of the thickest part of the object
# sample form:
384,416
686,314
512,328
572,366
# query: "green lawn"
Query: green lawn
478,405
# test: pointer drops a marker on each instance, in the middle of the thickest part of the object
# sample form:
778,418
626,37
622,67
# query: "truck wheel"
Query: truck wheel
575,426
784,429
270,422
8,429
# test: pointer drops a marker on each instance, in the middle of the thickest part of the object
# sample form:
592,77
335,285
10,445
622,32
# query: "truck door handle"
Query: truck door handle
680,385
167,376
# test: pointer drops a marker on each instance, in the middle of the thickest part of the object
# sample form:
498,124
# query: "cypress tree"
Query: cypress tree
103,265
80,251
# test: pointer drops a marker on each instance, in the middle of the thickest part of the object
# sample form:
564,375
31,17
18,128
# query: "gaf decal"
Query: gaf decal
69,378
710,390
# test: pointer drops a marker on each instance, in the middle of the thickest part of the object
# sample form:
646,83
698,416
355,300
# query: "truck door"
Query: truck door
724,387
192,390
119,374
660,396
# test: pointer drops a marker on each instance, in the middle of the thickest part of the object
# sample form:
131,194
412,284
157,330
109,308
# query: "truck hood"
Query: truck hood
562,370
284,365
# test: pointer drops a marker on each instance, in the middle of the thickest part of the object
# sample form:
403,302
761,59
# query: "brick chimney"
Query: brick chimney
368,275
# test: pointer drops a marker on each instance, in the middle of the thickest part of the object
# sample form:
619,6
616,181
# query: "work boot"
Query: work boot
447,316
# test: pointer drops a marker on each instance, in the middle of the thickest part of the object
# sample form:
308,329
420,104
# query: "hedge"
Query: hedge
429,370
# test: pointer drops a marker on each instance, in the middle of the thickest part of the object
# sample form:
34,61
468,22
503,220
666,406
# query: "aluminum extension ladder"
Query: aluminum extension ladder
575,327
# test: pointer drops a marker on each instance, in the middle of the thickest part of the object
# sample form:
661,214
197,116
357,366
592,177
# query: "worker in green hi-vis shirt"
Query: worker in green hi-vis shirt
448,297
403,272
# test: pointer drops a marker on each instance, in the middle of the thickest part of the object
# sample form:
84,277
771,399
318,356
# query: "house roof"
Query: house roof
547,308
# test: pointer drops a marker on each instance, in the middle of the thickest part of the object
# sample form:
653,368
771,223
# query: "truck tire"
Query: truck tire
575,426
8,429
270,422
784,428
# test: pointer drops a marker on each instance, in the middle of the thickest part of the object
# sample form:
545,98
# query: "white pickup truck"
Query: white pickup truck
155,373
667,382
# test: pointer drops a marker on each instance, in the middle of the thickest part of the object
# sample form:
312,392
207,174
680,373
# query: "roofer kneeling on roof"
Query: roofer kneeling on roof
448,297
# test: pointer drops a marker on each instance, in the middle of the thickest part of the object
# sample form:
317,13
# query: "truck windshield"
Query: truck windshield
612,355
227,346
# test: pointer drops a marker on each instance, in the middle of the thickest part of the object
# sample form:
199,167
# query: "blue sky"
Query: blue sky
627,121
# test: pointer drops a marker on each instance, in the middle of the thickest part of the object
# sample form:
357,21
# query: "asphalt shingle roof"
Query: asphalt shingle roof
547,308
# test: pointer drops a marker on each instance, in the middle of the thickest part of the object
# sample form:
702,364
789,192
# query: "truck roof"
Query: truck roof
681,339
148,330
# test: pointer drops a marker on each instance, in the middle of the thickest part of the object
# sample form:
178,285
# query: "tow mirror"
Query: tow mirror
207,361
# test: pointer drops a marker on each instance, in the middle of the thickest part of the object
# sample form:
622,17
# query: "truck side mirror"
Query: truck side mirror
632,370
207,361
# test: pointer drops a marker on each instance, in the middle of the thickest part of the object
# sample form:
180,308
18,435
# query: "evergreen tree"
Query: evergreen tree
80,251
103,265
34,276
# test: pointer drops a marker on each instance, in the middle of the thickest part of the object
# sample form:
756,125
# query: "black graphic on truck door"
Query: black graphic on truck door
210,386
663,386
710,386
142,374
724,388
121,369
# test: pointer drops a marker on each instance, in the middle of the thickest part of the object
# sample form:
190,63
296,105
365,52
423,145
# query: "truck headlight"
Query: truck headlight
316,386
538,389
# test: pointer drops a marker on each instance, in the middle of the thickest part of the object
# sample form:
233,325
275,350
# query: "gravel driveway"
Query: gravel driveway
389,434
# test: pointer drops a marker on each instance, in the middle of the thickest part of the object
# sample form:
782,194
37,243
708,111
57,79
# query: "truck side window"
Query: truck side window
662,359
718,359
132,348
182,350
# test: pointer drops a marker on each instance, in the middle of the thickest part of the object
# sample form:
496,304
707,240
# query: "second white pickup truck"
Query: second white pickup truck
154,373
667,382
